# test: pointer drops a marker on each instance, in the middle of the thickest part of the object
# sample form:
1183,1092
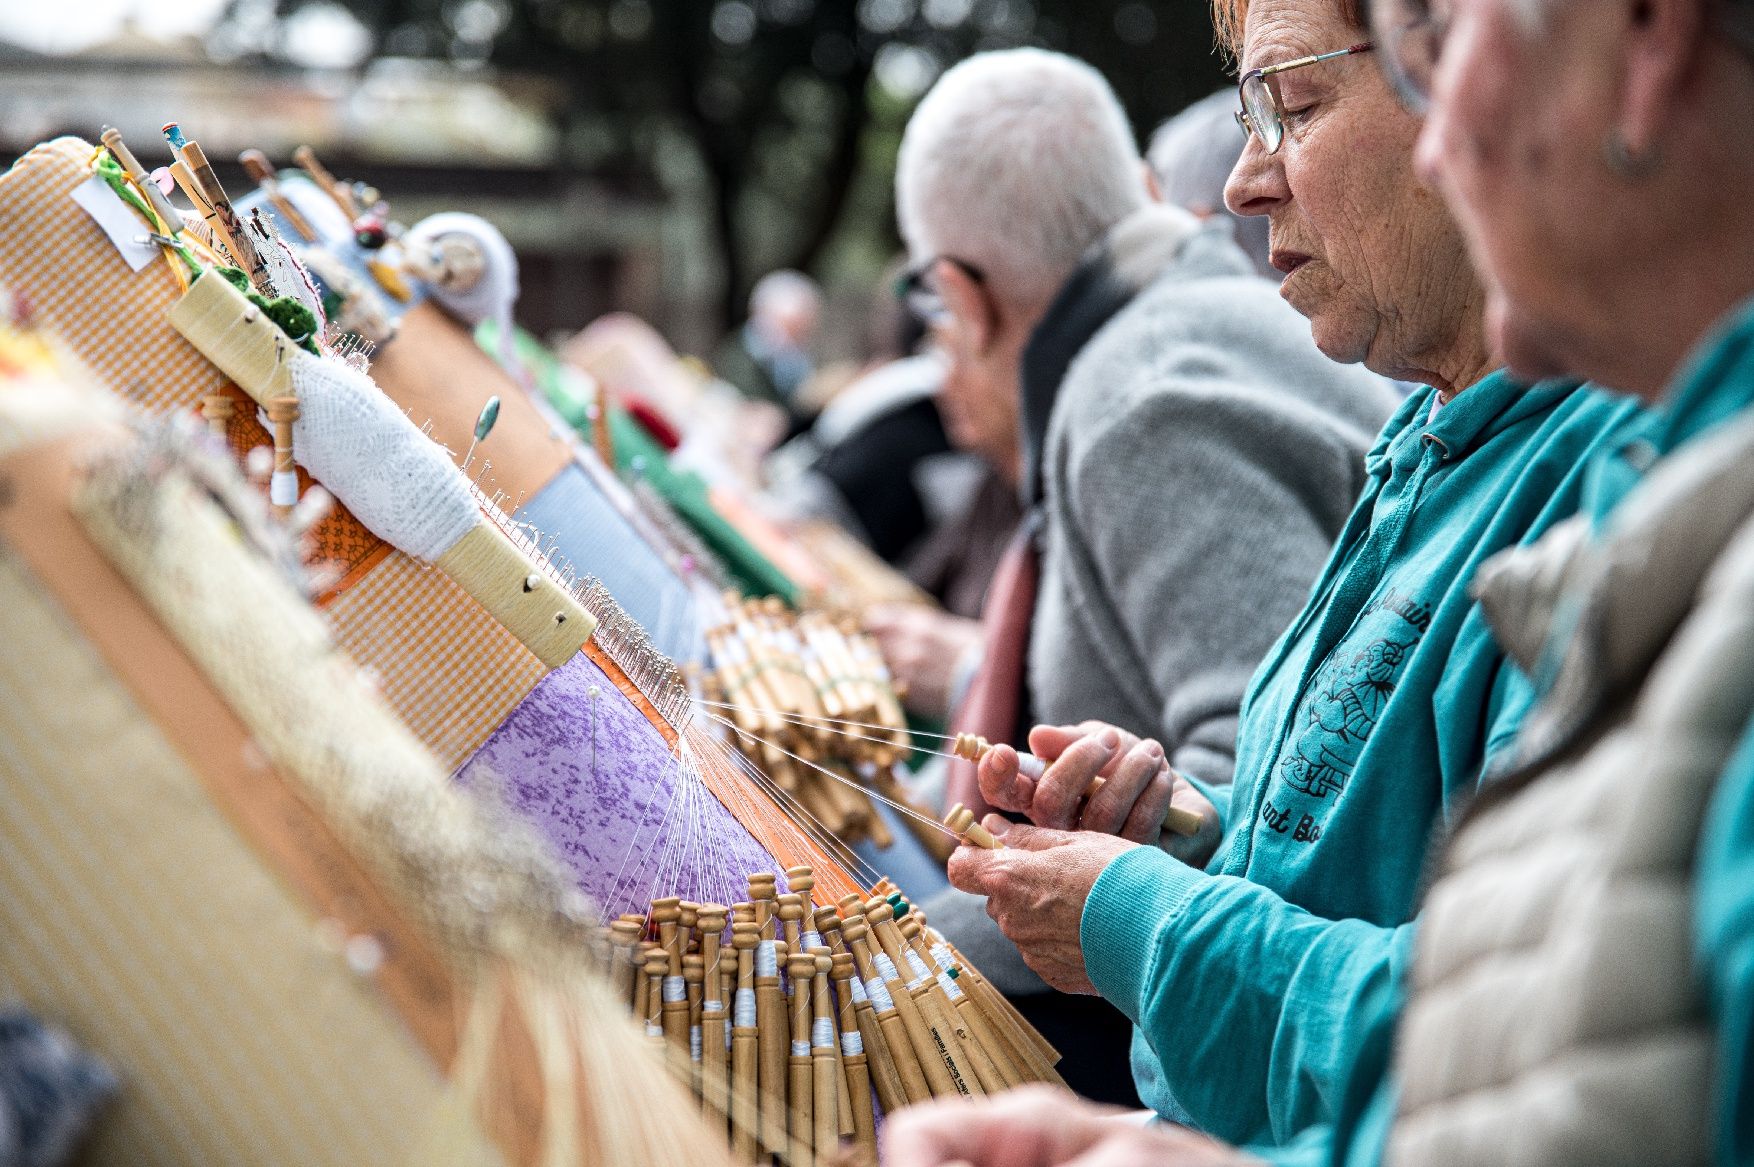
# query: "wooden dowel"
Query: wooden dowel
855,1060
745,1053
262,173
824,1058
801,1079
326,182
283,486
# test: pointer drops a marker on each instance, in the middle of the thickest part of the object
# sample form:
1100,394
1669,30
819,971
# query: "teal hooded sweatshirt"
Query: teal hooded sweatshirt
1385,700
1717,386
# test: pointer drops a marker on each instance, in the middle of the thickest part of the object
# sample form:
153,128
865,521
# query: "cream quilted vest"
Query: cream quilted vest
1553,1018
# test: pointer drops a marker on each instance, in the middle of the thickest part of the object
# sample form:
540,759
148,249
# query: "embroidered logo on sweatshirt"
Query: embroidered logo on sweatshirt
1342,708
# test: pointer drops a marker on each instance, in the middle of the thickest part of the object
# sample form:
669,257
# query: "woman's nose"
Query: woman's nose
1257,185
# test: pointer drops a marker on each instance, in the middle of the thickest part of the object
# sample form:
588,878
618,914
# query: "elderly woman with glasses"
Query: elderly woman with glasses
1582,987
1387,699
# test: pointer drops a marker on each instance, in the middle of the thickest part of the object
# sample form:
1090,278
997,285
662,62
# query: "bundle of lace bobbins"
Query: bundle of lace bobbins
810,701
808,1020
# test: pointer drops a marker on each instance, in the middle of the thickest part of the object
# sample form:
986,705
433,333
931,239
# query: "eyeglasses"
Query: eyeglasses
914,287
1262,113
1412,39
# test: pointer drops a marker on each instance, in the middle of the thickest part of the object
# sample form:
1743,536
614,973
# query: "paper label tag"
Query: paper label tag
118,221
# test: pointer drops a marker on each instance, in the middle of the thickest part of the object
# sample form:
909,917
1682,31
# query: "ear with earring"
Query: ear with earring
1627,163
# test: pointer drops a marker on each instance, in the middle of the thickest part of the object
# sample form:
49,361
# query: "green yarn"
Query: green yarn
294,319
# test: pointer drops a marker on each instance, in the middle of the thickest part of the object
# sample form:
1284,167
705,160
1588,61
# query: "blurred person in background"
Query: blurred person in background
1184,454
1191,156
770,357
1581,990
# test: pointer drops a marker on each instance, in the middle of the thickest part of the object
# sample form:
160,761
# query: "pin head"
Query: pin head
489,415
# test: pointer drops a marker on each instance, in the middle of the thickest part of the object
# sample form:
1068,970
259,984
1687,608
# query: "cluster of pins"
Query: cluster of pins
812,1018
804,694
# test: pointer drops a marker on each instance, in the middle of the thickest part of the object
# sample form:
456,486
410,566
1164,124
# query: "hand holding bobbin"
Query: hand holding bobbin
1091,777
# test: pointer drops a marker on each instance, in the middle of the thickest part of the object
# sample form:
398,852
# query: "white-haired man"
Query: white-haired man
1186,455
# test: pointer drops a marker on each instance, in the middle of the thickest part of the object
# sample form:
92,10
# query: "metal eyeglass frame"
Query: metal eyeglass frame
921,298
1264,79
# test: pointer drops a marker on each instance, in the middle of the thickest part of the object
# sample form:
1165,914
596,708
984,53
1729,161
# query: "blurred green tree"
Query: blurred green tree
791,109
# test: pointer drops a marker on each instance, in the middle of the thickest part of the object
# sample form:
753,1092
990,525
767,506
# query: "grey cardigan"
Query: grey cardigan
1201,457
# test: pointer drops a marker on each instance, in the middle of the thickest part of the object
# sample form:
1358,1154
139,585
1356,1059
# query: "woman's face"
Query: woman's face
1516,151
1371,256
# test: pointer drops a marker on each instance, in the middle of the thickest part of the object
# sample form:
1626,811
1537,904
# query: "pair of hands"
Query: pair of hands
1037,884
1040,1126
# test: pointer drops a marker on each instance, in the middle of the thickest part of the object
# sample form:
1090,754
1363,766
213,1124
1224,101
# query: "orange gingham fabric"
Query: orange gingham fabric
60,261
448,668
452,680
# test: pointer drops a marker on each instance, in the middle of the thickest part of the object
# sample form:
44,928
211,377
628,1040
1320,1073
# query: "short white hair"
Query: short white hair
1016,162
783,290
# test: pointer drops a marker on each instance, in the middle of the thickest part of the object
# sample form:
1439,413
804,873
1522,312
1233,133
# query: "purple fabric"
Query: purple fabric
618,810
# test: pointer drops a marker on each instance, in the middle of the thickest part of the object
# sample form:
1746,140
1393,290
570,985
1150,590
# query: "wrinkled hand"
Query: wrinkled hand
1040,1126
922,647
1139,786
1036,886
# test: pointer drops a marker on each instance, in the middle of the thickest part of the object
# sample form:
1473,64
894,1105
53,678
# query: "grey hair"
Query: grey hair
1192,155
1016,162
782,289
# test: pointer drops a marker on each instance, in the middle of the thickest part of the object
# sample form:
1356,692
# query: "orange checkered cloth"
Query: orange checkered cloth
448,668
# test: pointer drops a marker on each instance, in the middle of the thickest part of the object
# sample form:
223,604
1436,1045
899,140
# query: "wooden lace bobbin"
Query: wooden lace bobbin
261,172
224,220
667,914
657,966
889,710
940,1030
960,821
624,936
1023,1035
326,182
745,1109
1001,1060
854,1058
973,748
693,979
283,487
911,1057
814,939
791,915
770,1014
879,1062
715,1034
825,1068
801,1088
218,410
161,206
1011,1035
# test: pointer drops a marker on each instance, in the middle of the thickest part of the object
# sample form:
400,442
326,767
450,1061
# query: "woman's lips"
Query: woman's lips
1288,261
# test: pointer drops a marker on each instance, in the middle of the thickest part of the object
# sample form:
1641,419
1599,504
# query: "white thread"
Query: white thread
948,984
743,1011
885,966
767,962
915,964
712,1006
728,1030
694,1049
654,1030
800,1049
859,996
812,939
675,990
852,1043
821,1033
879,993
941,954
283,488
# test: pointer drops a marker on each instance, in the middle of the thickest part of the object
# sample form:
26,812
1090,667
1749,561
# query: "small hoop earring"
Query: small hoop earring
1623,162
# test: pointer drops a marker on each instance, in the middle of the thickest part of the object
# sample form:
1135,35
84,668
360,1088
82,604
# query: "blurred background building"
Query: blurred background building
654,156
